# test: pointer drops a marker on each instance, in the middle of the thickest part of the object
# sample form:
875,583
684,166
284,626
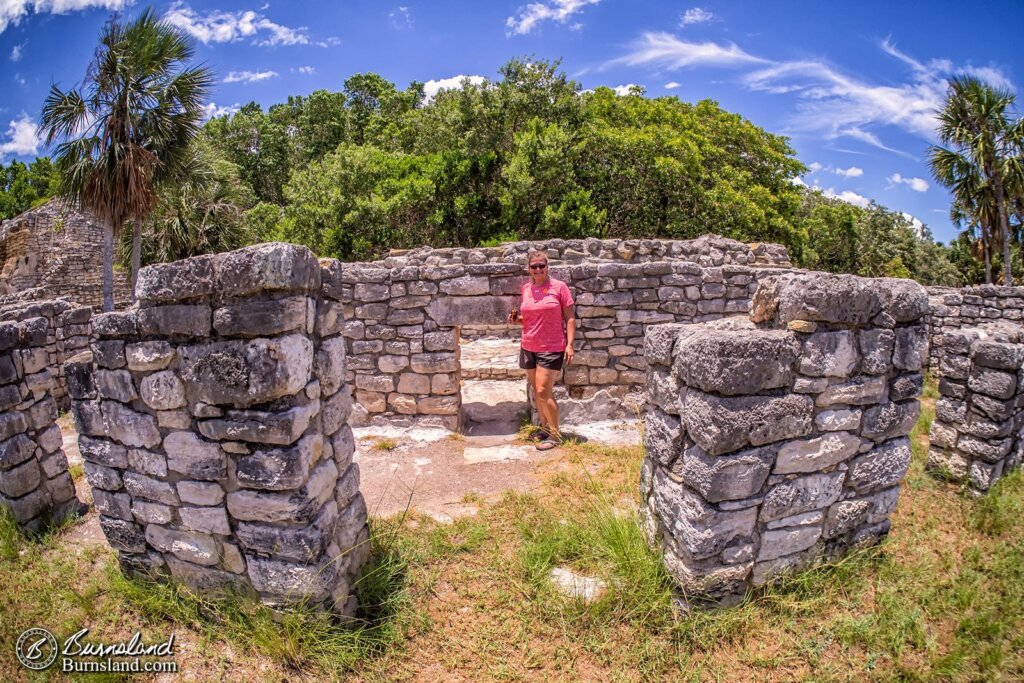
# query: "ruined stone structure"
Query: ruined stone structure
34,481
976,435
979,306
774,441
403,314
213,423
67,333
59,251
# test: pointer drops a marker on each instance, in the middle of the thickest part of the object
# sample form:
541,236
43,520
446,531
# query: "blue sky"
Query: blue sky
852,84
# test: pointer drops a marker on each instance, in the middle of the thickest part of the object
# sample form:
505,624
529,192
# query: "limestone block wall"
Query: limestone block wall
34,481
983,305
775,441
213,424
404,314
60,250
67,333
976,435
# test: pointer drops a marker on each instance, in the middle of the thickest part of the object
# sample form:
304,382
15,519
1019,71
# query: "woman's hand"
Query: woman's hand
569,355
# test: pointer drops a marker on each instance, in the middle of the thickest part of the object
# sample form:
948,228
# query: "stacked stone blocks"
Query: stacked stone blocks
405,312
976,434
970,307
213,424
35,485
776,441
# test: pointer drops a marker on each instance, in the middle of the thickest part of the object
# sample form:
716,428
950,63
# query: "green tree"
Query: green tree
975,122
259,145
128,131
23,187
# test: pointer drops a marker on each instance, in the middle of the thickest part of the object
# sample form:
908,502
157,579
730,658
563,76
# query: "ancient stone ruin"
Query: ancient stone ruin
53,251
213,423
976,435
778,440
979,306
403,315
34,481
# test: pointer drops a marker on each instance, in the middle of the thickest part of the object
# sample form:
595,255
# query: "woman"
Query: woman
545,303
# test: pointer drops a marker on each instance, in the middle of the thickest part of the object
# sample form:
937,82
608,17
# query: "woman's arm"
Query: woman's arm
570,333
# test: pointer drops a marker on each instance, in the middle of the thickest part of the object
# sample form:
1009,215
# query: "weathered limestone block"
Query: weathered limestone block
723,424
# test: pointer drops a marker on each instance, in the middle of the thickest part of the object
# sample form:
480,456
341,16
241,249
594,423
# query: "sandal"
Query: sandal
538,434
546,445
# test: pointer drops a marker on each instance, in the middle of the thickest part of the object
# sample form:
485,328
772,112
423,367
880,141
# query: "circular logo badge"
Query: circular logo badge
36,649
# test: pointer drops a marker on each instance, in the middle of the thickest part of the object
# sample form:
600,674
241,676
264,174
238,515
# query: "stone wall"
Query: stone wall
775,441
404,314
952,309
67,333
59,250
34,481
213,423
976,435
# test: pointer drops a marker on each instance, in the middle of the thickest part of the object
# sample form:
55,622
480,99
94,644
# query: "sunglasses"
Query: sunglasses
538,266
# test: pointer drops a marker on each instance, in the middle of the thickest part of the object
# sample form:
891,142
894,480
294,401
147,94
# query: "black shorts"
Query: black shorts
528,360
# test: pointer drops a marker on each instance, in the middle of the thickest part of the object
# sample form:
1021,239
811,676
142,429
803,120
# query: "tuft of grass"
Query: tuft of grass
383,443
303,638
1001,509
77,471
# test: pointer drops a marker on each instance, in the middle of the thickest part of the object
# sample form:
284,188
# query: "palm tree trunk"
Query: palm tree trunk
1004,227
108,267
136,253
986,248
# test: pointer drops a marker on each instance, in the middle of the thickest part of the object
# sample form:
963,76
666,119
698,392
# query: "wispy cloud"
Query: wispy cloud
664,50
852,172
19,79
530,16
249,76
213,110
400,18
16,52
432,87
22,138
695,15
915,184
306,69
672,85
13,11
220,26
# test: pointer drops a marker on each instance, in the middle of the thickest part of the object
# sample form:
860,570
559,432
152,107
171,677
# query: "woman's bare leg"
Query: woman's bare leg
544,383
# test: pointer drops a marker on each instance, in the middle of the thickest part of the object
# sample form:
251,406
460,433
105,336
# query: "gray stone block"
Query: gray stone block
725,477
698,528
830,354
663,436
780,542
881,467
819,453
192,456
736,362
128,426
103,452
279,469
141,486
260,426
261,318
813,492
889,420
723,424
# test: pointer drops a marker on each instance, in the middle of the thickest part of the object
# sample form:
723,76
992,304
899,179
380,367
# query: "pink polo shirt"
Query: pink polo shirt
543,330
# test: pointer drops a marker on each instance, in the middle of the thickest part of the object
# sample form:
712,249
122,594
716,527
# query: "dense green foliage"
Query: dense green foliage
354,173
23,187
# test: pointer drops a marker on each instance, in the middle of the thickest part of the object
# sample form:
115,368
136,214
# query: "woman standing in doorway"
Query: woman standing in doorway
549,330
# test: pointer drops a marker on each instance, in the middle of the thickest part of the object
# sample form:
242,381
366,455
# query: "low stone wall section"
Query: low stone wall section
976,435
778,440
213,424
979,306
34,481
67,334
404,314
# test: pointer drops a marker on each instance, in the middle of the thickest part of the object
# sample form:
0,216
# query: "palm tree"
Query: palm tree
128,130
975,122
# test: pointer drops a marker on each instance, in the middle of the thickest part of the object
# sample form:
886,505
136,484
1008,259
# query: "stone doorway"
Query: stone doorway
494,398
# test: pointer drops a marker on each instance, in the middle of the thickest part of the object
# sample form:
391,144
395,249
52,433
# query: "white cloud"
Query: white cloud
22,137
329,42
628,89
915,184
665,50
560,11
672,85
16,52
213,110
852,172
306,69
814,166
400,18
915,222
848,196
249,76
695,15
798,181
432,87
223,27
13,11
19,79
991,75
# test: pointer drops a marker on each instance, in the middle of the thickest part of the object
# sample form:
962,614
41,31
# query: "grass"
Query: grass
383,443
942,599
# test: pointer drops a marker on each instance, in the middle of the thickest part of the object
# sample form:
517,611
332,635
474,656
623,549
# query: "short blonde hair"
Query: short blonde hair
536,254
